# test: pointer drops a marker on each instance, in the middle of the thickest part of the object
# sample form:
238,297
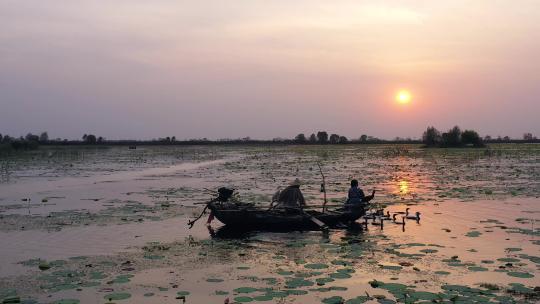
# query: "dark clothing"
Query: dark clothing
291,197
356,196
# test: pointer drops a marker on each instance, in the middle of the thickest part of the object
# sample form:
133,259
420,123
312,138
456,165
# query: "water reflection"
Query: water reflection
403,187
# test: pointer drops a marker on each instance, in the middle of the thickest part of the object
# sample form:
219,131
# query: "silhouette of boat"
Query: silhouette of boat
247,216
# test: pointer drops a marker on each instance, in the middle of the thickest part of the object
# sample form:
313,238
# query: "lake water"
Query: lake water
110,224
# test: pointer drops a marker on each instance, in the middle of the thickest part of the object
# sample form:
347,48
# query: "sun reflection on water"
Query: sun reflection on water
403,187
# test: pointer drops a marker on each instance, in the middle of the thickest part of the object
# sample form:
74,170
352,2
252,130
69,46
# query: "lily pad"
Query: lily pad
524,275
67,301
245,290
243,299
333,300
117,296
316,266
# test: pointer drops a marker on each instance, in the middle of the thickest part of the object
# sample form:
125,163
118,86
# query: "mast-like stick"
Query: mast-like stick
323,187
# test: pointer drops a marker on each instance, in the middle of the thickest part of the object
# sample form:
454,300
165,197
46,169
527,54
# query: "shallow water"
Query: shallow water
479,224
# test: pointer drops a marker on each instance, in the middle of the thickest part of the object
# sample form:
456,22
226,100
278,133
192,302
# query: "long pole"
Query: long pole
324,187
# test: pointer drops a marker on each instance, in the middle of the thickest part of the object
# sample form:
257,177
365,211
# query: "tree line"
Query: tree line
432,137
467,138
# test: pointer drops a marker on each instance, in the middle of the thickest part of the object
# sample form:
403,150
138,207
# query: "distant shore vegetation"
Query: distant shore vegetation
452,138
432,137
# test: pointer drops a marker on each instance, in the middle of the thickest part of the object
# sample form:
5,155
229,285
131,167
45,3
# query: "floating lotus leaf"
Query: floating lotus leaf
425,295
341,262
154,257
429,250
122,279
358,300
508,260
149,294
67,301
245,290
340,275
391,267
214,280
520,288
316,266
117,296
298,282
296,292
263,298
322,281
183,293
442,272
221,293
473,233
284,272
97,275
415,245
243,299
90,284
487,262
517,274
477,268
393,287
333,300
277,294
346,270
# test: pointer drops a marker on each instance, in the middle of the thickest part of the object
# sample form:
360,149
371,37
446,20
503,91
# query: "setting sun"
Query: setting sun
403,97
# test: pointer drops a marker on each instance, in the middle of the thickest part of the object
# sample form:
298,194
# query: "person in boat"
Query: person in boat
291,197
357,196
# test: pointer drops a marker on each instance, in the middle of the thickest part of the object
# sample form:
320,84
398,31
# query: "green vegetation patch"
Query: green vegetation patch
117,296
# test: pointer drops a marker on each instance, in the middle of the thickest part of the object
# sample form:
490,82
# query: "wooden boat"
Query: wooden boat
247,216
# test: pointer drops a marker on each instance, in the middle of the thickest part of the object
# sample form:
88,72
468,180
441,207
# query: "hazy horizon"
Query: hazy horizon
195,69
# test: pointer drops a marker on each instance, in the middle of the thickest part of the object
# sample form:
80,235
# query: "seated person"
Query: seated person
291,197
357,196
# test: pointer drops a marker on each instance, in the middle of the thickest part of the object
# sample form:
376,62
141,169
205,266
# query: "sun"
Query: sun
403,97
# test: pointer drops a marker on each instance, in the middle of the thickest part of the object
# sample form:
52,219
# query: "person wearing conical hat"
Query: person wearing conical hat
291,196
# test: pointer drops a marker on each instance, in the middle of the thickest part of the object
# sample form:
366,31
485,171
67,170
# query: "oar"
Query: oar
316,221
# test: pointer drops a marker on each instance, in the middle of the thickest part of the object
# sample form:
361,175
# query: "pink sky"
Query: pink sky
264,69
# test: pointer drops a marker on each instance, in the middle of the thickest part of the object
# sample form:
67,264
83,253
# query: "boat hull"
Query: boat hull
252,218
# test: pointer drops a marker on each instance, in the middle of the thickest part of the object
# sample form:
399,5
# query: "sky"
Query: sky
142,69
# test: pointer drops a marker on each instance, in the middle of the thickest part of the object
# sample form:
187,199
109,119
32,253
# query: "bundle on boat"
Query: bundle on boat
243,215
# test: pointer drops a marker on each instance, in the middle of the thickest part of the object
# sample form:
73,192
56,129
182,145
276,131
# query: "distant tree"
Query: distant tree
300,138
173,139
528,136
312,138
363,138
343,140
90,139
100,140
44,137
471,137
1,138
487,138
431,137
322,137
452,138
32,137
84,137
506,138
334,139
